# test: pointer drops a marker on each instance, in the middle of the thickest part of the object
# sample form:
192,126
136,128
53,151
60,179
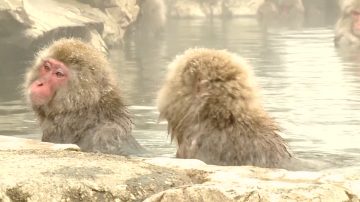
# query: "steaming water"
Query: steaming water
311,89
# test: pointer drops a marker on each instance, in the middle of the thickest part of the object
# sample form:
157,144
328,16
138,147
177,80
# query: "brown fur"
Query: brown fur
344,36
214,113
89,111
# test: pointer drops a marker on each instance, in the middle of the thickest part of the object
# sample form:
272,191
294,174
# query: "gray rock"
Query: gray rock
247,183
35,23
13,15
43,175
36,171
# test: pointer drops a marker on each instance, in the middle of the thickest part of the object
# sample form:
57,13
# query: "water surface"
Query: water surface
309,87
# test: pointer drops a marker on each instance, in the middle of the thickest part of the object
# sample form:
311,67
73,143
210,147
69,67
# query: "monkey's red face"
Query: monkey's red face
52,75
355,15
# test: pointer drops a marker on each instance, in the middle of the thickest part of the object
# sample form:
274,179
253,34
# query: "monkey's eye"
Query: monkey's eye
355,13
59,74
47,66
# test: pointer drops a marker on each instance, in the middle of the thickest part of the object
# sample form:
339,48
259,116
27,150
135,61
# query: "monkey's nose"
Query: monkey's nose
39,83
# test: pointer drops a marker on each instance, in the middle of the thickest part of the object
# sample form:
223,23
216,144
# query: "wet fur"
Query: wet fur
89,111
214,113
344,36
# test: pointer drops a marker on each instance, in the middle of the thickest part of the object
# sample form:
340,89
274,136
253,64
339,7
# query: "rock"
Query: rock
116,16
14,16
259,184
254,190
33,23
119,20
102,4
38,175
13,143
33,172
215,8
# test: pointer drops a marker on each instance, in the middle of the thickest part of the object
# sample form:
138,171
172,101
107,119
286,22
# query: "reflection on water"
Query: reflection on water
311,89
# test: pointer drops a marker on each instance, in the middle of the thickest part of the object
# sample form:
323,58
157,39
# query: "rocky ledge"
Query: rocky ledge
33,23
213,8
35,171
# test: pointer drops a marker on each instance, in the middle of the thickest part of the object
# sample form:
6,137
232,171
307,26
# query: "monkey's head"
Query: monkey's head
202,78
67,75
351,13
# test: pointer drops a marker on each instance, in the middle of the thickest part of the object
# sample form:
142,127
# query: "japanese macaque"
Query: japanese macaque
214,113
281,13
348,26
76,98
152,17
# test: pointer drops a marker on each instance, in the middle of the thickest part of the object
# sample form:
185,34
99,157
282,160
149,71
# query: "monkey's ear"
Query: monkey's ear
190,68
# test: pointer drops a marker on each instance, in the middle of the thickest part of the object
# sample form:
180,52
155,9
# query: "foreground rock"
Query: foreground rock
13,143
43,174
33,23
257,184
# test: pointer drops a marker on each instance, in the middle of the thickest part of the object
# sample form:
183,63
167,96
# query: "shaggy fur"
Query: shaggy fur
89,110
344,35
214,113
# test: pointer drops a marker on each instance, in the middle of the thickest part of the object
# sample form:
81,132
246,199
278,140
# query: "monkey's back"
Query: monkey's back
213,111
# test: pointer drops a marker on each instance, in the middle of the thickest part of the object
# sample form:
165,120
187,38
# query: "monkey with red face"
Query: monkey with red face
347,31
76,99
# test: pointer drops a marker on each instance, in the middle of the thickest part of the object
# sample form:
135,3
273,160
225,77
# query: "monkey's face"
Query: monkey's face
51,76
355,15
67,76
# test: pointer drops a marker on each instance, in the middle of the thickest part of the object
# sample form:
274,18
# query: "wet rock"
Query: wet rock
120,18
13,15
34,23
212,8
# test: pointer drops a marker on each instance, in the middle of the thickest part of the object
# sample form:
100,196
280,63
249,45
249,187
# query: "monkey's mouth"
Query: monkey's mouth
38,100
356,27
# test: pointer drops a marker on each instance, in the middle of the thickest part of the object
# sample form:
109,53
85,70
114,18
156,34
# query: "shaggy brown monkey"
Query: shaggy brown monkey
279,13
75,96
347,31
214,113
